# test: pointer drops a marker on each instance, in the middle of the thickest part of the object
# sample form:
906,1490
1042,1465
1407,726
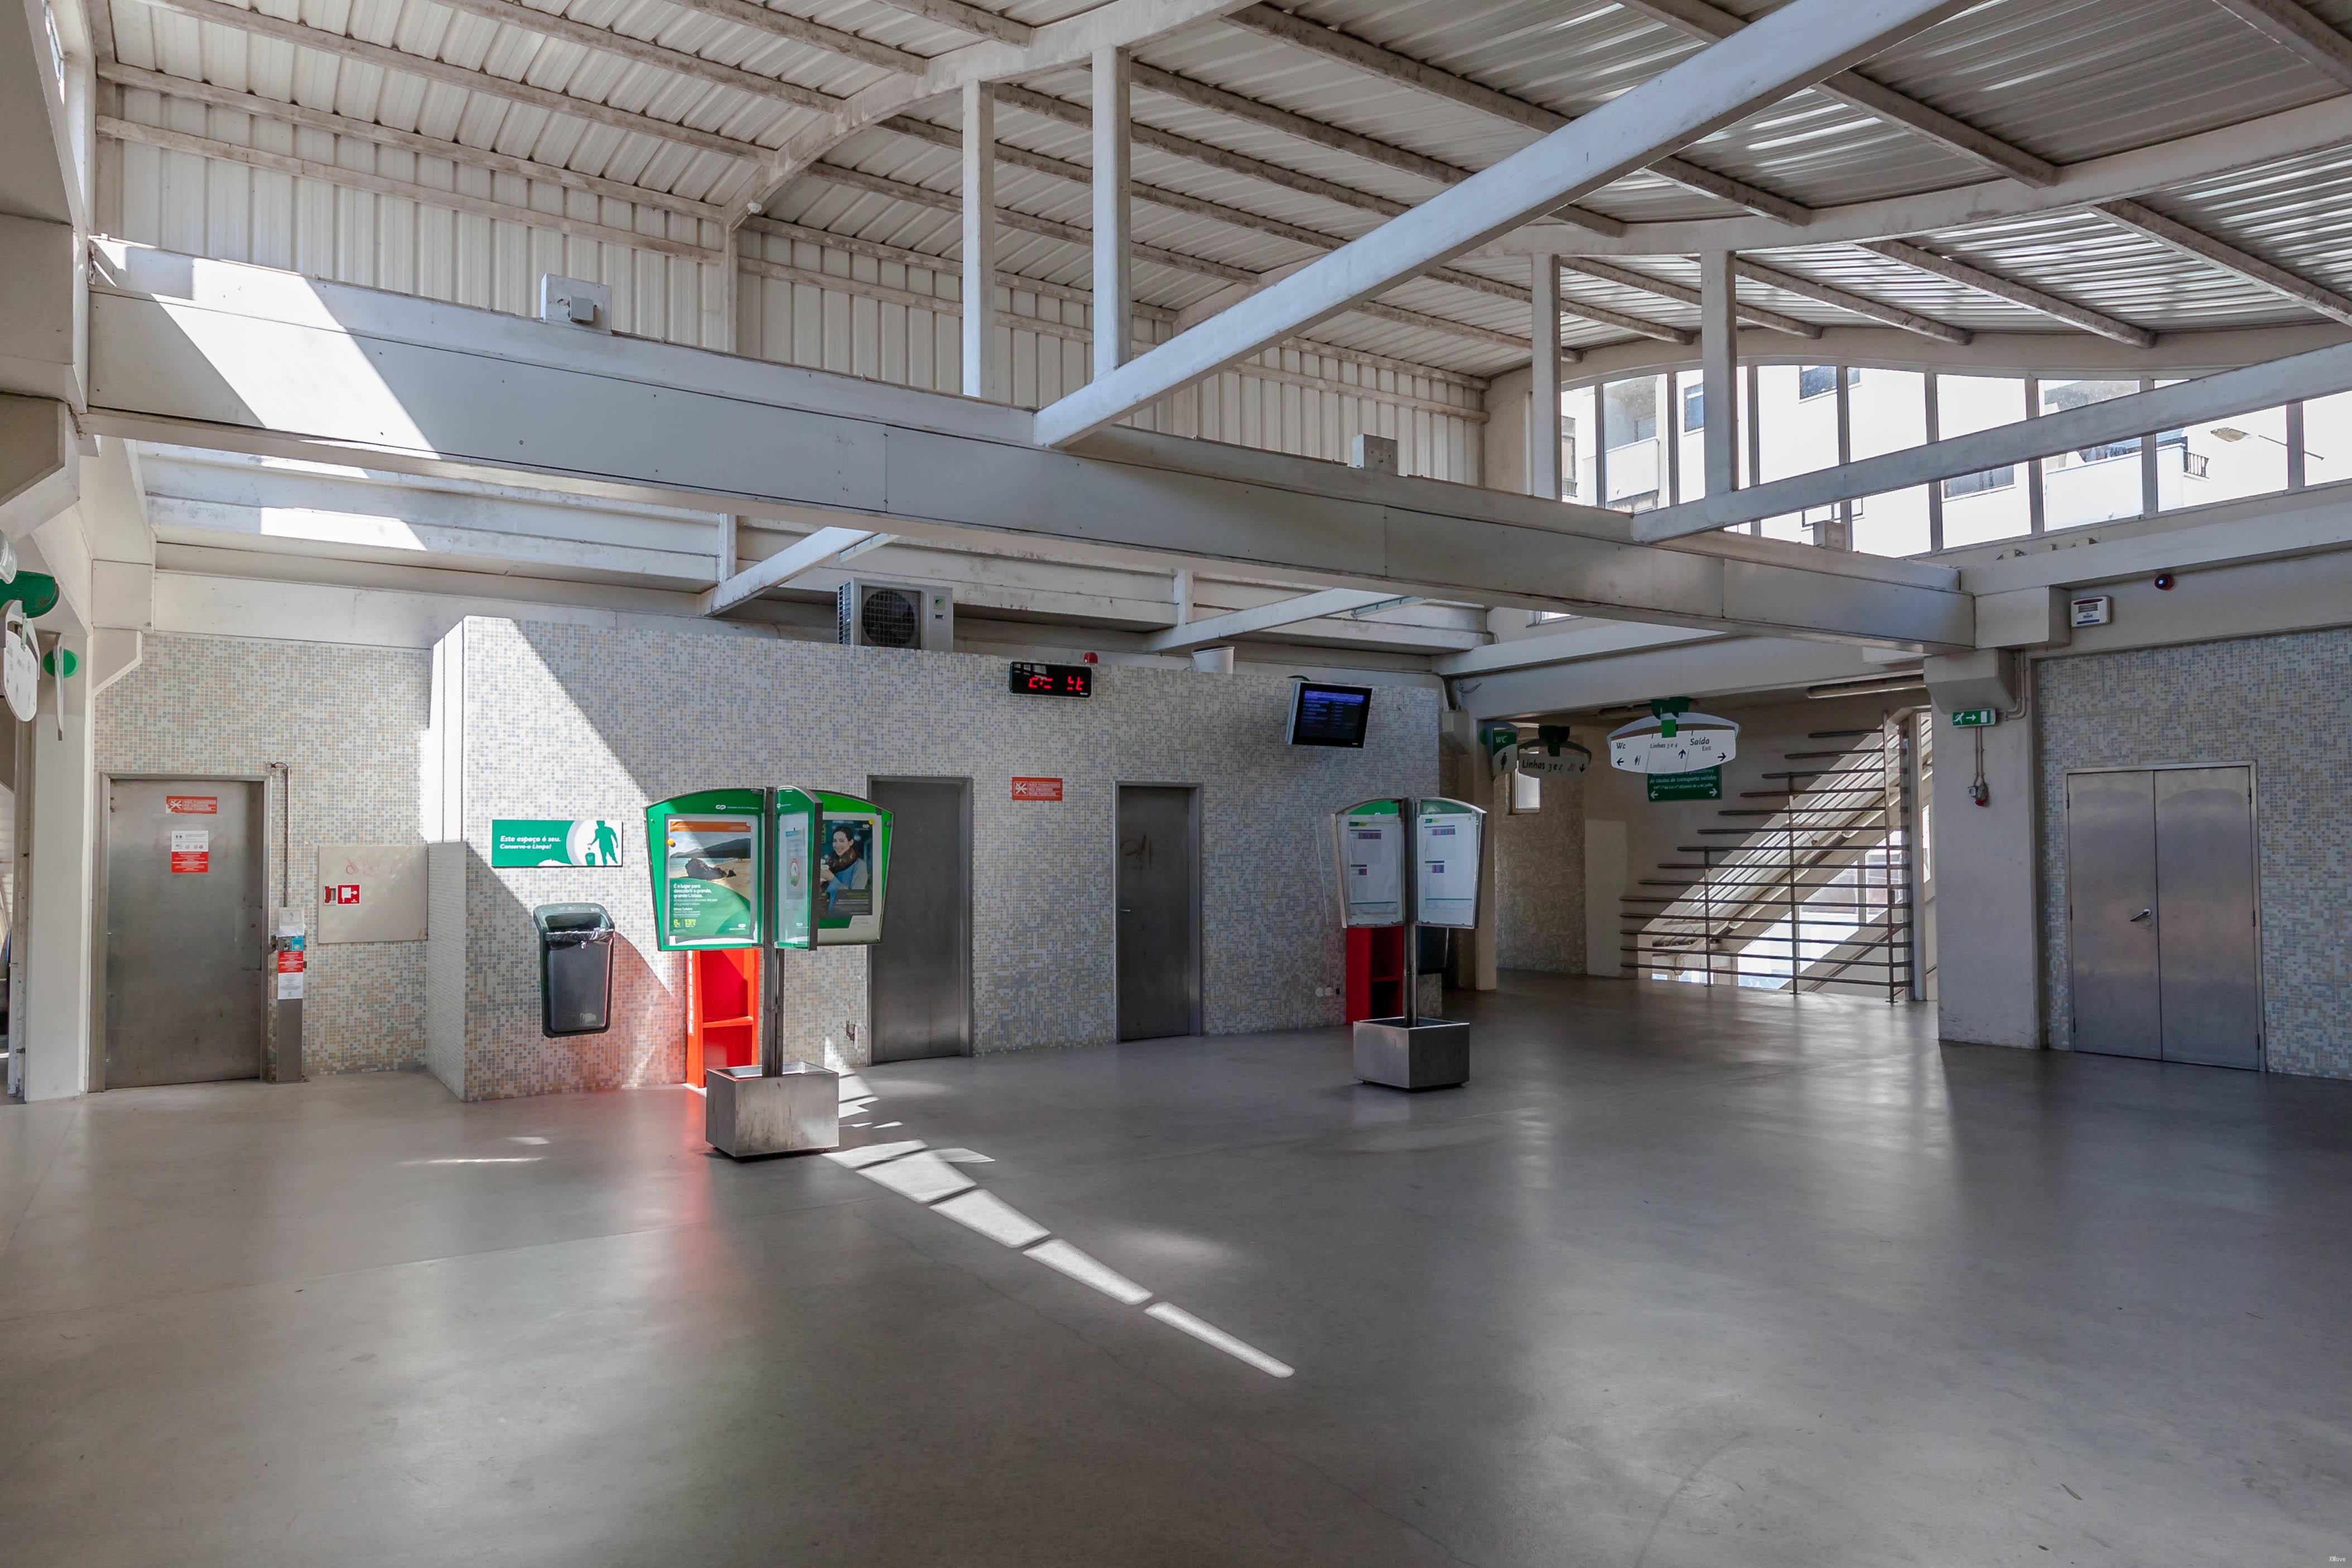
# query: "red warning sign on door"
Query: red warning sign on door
340,893
193,805
1036,789
191,850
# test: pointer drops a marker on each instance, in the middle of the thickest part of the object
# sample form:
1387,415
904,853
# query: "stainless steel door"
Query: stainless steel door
184,931
1159,927
2210,982
2111,914
919,983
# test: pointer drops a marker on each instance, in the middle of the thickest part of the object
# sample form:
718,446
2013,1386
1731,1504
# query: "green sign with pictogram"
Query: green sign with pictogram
1975,717
1706,784
554,840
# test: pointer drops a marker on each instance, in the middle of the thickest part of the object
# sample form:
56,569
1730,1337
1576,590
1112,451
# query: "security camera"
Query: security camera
2163,581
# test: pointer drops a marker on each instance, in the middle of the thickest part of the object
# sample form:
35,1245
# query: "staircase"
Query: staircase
1808,888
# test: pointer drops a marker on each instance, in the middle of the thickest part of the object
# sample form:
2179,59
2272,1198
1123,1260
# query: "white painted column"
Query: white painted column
58,971
1114,305
979,237
1543,385
1718,354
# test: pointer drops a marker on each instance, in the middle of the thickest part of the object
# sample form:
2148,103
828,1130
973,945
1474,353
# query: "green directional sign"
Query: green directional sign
1975,717
554,840
1706,784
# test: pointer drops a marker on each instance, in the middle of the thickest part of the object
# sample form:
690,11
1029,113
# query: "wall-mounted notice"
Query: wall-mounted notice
1446,843
193,805
1036,789
1372,862
371,892
554,840
291,962
191,850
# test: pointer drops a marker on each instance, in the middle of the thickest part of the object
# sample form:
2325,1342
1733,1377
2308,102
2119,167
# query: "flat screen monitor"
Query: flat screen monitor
1329,716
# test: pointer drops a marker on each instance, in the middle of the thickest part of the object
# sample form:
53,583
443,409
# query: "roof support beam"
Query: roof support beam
969,19
386,57
1543,383
1373,60
1847,300
2315,374
249,359
781,567
555,25
1719,369
2323,48
1701,20
1120,24
2016,293
2147,221
1681,294
1264,618
978,209
1796,45
1113,284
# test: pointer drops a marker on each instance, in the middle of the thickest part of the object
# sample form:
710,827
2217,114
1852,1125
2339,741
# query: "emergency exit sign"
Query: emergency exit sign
1974,717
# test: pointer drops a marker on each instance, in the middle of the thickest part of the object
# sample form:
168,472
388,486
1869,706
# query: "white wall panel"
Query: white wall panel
873,323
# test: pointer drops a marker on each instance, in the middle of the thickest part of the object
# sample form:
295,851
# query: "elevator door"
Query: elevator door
1159,926
184,931
919,978
2161,914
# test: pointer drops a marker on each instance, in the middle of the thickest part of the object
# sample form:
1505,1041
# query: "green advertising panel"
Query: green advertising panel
795,868
552,841
1706,784
704,852
1370,839
849,869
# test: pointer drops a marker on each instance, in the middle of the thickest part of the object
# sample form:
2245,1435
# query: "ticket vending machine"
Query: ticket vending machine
739,877
1410,863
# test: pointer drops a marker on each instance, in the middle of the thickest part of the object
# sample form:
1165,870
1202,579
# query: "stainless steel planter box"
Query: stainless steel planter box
749,1113
1432,1054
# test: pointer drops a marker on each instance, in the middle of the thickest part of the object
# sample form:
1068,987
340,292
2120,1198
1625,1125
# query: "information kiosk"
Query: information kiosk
768,869
1410,863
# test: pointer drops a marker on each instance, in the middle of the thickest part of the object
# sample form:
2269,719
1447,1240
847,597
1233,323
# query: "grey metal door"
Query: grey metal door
2111,927
2210,970
184,931
919,978
1159,927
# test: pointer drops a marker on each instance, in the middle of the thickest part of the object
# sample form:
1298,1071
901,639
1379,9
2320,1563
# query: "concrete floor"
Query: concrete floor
1683,1277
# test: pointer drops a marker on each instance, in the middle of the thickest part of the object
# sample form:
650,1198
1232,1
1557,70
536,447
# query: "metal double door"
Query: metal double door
186,932
2162,937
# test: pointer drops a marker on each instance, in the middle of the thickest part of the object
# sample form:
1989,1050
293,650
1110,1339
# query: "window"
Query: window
1820,380
1980,483
1694,406
1568,457
1635,461
1526,793
1891,418
2090,483
2227,460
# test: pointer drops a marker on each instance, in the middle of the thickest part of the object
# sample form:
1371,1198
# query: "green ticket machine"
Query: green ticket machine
774,870
1410,863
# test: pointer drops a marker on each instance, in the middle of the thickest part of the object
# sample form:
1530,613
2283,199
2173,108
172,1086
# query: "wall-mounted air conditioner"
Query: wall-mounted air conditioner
895,615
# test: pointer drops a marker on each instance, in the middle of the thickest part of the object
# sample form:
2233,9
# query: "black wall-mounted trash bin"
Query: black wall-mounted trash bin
575,969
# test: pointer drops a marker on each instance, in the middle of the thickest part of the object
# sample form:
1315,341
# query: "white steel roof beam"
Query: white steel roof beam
1796,45
781,567
2164,231
1373,60
968,18
1847,300
1700,19
2016,293
1683,294
1264,618
2283,22
2139,414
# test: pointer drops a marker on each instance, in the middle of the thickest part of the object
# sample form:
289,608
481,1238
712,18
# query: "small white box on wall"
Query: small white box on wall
371,892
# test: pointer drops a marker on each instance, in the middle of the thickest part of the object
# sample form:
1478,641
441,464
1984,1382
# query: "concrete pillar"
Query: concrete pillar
1543,383
1114,328
57,970
1719,363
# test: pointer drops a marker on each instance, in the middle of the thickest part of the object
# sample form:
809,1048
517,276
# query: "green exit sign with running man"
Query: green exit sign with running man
1974,717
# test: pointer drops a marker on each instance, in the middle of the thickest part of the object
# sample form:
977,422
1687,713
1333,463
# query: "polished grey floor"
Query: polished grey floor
1681,1278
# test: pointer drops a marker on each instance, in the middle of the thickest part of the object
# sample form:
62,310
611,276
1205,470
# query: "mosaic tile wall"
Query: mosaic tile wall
444,965
2261,700
1539,883
571,721
347,720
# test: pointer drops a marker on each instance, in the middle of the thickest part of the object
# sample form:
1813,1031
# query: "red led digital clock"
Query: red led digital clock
1052,680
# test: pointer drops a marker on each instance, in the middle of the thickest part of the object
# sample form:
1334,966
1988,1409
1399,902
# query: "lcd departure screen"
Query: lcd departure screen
1329,715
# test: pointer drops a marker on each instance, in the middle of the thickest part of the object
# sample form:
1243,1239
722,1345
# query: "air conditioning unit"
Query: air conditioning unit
895,615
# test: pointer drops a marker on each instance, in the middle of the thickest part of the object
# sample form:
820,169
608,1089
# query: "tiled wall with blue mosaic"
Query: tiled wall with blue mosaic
348,722
2284,703
571,721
